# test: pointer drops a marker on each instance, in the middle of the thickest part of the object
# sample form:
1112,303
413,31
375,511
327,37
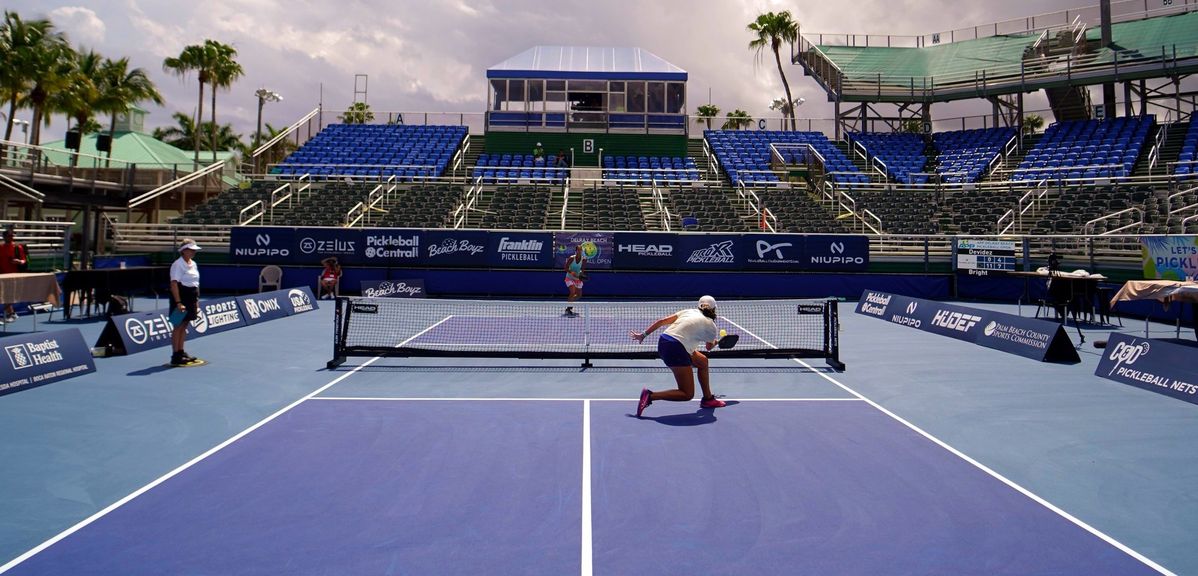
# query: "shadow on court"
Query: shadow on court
697,418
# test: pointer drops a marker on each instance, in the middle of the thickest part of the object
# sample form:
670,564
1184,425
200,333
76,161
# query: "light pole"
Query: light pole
24,124
264,96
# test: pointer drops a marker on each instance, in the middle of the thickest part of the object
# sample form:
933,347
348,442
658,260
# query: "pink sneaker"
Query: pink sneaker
712,402
645,401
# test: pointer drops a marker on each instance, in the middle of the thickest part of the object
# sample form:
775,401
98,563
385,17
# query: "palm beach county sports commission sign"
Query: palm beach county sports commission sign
140,331
1154,365
1028,337
32,360
395,247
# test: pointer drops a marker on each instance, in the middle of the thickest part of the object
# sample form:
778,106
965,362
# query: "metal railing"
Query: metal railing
1089,227
211,170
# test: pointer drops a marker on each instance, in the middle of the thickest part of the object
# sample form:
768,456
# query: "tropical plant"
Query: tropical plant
737,119
183,134
18,40
37,64
707,112
193,58
1032,123
358,113
122,88
772,29
80,98
281,149
223,73
912,126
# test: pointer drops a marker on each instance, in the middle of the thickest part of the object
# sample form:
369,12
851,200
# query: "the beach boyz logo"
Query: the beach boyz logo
388,289
452,246
1126,353
718,253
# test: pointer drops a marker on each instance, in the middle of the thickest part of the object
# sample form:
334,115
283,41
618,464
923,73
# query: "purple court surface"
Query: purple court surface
928,456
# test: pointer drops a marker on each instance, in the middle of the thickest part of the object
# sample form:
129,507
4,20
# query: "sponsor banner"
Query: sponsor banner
137,332
644,251
709,252
772,251
390,247
258,308
254,245
217,316
520,250
315,244
1028,337
597,248
454,248
1170,257
299,300
844,253
413,288
1162,367
31,360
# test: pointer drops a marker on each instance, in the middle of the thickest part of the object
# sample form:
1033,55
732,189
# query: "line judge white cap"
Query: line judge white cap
189,246
707,302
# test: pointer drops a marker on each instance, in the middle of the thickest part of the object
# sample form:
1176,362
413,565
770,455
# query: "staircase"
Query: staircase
1003,172
1066,47
694,149
1175,135
557,200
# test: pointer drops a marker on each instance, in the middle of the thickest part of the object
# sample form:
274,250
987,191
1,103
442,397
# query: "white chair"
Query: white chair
270,276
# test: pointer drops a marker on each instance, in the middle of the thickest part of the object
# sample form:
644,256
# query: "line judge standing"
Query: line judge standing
185,298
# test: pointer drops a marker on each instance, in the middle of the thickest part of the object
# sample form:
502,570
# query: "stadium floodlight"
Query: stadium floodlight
264,96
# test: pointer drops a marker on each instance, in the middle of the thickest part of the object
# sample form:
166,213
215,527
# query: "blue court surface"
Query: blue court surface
927,456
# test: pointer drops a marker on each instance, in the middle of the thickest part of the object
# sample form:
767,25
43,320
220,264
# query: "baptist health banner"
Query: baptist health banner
32,360
140,331
1028,337
1170,257
546,250
1154,365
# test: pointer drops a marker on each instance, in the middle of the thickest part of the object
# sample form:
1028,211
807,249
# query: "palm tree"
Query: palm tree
737,119
182,136
223,72
122,88
193,58
282,148
1032,123
34,61
707,112
80,97
358,113
772,29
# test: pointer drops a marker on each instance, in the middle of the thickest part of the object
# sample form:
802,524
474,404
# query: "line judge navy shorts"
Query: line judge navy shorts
672,352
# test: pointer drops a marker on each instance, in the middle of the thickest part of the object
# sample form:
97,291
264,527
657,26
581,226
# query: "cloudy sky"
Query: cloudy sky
432,55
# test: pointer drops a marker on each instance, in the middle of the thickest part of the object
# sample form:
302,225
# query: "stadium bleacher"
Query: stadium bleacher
1086,149
964,155
745,155
901,152
515,168
409,153
1187,168
646,169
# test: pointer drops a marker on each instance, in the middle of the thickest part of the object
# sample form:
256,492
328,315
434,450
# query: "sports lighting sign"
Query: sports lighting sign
31,360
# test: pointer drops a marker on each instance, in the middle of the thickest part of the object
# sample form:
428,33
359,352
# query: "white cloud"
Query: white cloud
82,25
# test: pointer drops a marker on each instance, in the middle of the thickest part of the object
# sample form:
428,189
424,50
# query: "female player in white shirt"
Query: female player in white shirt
678,347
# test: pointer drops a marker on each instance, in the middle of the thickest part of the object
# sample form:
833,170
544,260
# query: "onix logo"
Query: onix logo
911,307
836,247
764,248
262,240
1124,353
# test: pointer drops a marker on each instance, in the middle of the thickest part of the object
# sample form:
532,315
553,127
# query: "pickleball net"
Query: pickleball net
413,327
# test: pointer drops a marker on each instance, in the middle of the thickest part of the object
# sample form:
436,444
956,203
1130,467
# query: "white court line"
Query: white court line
27,555
999,477
520,399
587,563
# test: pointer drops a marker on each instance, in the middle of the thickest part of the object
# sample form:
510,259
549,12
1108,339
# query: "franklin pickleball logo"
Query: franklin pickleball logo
18,356
911,307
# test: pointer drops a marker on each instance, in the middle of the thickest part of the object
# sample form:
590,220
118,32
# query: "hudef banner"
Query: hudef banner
1028,337
396,247
31,360
140,331
1155,365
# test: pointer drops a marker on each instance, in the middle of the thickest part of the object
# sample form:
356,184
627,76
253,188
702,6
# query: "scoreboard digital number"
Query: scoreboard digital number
980,257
